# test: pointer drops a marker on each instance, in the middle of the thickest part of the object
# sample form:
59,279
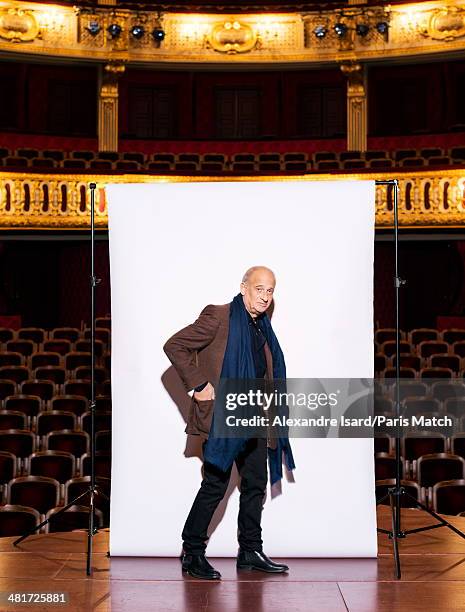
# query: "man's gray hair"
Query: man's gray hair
251,270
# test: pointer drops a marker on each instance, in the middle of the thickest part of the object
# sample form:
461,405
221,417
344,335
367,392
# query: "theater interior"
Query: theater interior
113,91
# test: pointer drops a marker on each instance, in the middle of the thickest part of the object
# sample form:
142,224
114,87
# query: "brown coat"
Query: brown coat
197,353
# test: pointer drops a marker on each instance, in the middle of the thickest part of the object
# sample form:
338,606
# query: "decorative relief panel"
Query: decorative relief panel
234,33
232,37
17,25
446,23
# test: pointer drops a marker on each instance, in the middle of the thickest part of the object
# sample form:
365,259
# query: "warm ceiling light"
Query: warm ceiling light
114,30
158,34
382,27
320,31
93,27
362,29
340,29
137,31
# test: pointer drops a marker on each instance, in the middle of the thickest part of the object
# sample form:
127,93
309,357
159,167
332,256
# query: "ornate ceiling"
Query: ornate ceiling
119,35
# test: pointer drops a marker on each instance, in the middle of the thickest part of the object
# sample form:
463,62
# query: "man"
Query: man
233,341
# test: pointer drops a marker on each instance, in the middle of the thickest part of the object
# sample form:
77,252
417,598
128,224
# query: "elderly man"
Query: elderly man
233,341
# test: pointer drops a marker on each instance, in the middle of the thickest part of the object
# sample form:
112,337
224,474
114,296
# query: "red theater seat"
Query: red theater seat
426,348
423,333
9,466
30,405
75,442
13,419
448,497
39,492
65,333
385,466
77,404
61,346
45,389
9,358
16,374
55,420
15,519
36,334
74,517
59,465
20,442
44,358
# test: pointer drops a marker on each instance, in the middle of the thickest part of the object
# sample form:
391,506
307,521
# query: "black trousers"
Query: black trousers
251,465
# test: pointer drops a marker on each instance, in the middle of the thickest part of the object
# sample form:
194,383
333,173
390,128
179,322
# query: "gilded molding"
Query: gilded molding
447,23
18,25
108,106
47,201
357,105
231,39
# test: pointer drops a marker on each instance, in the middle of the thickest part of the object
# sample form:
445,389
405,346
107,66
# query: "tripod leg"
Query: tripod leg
90,532
100,492
37,527
394,535
380,501
436,516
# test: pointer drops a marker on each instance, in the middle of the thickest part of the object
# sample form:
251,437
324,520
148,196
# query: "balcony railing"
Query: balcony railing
430,198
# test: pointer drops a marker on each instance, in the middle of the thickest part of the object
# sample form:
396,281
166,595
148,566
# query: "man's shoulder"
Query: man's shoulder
220,311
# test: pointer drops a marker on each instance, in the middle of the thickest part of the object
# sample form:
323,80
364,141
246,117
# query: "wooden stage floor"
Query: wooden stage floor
433,579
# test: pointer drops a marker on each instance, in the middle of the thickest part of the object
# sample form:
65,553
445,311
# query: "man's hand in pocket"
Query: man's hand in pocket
207,393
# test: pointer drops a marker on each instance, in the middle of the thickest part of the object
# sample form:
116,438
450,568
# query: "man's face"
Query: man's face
258,291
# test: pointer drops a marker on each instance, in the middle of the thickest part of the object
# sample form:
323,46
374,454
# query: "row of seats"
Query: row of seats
425,471
44,493
408,360
46,421
31,405
22,352
47,389
22,442
414,445
17,520
415,336
298,161
58,464
73,370
414,404
39,335
441,390
422,374
424,349
445,497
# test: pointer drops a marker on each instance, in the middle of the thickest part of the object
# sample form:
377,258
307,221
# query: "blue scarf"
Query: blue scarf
239,363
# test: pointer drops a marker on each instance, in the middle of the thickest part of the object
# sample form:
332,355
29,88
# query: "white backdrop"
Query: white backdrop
176,247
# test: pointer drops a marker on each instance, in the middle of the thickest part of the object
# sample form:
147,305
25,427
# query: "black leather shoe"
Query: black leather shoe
198,567
257,560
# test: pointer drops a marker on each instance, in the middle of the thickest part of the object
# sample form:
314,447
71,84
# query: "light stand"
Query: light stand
395,492
93,488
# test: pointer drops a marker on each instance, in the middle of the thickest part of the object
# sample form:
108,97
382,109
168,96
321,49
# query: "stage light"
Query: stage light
93,28
382,27
158,34
320,31
362,29
114,30
137,31
340,29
